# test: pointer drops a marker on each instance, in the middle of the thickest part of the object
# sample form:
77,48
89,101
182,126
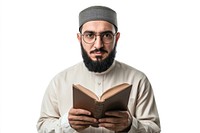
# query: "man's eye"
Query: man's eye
107,35
89,35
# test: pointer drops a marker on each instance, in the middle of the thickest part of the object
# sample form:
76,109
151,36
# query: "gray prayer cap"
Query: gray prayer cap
97,13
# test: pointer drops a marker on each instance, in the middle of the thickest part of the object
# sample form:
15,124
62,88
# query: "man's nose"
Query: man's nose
98,42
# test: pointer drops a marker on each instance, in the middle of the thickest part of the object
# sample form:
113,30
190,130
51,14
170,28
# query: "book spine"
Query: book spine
98,110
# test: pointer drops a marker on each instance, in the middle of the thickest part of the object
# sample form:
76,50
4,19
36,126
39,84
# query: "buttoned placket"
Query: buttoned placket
98,91
99,85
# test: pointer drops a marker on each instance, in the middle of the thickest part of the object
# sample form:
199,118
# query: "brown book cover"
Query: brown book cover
115,98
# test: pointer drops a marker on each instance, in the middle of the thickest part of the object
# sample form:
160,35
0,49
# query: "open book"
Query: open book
115,98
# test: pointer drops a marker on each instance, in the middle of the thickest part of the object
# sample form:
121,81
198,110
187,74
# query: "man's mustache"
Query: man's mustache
99,50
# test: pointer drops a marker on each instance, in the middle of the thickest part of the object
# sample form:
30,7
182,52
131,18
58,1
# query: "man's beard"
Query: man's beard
99,65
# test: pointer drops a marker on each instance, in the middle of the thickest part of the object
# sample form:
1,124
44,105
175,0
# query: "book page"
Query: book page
112,91
86,91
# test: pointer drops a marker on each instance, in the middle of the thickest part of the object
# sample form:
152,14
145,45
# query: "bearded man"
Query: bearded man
98,71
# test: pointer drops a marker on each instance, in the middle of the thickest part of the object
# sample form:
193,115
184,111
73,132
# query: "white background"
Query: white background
158,37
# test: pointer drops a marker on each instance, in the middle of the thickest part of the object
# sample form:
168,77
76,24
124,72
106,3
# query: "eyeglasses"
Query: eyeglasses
106,37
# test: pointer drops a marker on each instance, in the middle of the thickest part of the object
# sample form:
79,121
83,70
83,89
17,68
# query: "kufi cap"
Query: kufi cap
97,13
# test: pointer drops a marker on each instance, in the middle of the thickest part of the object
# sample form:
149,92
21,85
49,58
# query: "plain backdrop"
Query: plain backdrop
159,37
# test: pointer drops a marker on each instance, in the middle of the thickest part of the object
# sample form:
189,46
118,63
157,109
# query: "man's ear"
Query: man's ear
79,37
117,36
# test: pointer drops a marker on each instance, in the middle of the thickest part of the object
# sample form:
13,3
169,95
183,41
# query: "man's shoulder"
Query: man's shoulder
127,68
70,70
131,72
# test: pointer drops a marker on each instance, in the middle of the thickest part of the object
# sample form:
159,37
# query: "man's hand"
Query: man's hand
116,120
80,119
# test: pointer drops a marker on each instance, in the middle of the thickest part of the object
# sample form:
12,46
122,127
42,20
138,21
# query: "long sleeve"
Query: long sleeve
50,120
145,118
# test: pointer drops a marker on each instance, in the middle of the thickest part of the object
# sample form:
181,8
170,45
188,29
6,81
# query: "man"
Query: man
99,70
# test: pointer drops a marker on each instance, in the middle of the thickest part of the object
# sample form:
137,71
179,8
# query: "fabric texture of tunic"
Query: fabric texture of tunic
58,98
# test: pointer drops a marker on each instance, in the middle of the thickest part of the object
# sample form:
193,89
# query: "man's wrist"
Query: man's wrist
126,130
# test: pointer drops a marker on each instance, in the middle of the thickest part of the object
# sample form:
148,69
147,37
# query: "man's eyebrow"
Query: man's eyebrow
103,32
89,31
107,31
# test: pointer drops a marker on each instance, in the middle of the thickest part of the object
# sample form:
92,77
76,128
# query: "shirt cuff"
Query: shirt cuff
64,121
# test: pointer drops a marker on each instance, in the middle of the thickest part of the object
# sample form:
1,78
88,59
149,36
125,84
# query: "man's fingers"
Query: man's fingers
79,112
120,114
116,120
111,126
80,123
79,127
113,120
81,118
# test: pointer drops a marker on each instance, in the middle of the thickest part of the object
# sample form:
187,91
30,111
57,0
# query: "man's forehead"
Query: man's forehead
98,26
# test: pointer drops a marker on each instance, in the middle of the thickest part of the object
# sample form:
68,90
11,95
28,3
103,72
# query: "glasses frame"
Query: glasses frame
101,34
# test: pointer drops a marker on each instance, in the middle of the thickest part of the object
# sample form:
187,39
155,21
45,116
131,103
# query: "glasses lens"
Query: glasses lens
107,37
89,37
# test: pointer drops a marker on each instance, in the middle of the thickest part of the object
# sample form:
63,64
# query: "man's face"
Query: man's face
98,50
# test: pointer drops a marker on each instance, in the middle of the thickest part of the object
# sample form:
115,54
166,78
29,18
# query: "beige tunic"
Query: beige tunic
57,100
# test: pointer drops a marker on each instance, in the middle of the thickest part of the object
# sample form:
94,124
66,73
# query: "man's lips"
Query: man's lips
98,51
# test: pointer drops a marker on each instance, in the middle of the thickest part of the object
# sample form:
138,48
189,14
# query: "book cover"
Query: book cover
115,98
